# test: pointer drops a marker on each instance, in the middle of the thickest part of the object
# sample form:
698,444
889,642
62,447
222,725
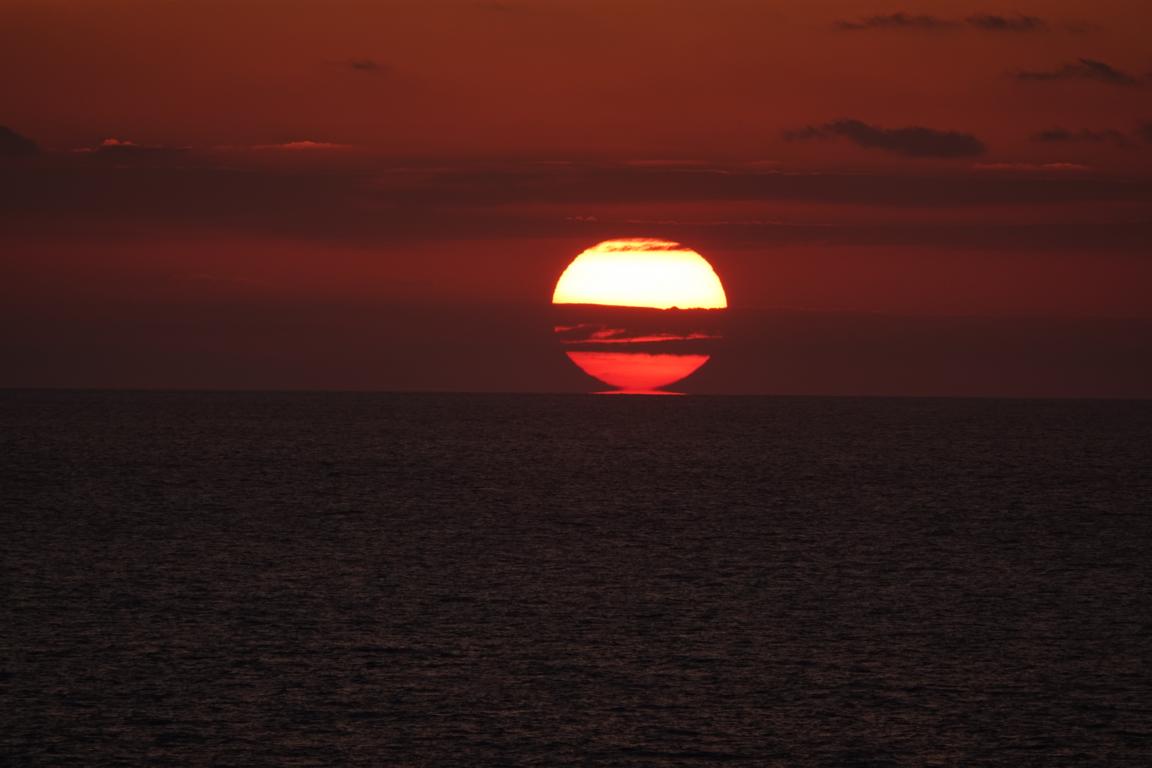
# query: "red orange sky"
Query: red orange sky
382,194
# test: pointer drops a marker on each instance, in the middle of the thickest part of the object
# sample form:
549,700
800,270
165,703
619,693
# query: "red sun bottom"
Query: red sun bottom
637,371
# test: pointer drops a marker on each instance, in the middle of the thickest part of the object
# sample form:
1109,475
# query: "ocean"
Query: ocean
313,579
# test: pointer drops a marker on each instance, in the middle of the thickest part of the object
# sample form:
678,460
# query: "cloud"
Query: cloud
593,335
370,202
1028,167
118,151
1063,135
1083,69
897,21
130,147
13,144
304,146
984,22
994,23
914,141
126,146
364,65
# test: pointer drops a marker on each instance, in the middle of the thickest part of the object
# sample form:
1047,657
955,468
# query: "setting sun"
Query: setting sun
639,314
641,273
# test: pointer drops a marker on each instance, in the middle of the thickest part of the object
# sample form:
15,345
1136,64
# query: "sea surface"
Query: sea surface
487,580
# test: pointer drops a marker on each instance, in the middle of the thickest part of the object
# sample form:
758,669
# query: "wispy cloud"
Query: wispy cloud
364,65
985,22
1085,136
1032,167
1018,23
913,141
1083,69
899,20
303,146
124,149
355,199
585,334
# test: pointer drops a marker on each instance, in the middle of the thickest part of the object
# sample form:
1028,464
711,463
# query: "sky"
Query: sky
933,198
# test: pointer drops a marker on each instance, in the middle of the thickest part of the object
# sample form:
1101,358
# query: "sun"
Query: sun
641,272
639,314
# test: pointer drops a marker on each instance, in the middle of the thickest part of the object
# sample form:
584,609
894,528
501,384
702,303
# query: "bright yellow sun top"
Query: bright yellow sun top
641,273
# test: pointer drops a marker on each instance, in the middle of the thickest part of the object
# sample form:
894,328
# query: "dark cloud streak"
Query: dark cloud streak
993,23
1083,69
1086,136
914,141
922,22
83,200
897,21
364,65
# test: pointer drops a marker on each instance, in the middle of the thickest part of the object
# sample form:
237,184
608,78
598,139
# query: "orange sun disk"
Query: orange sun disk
643,273
637,372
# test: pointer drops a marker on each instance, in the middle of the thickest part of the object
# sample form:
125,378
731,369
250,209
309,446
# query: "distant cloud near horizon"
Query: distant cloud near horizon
993,23
1083,69
305,145
1063,135
13,144
361,64
1028,167
913,141
124,148
897,21
982,22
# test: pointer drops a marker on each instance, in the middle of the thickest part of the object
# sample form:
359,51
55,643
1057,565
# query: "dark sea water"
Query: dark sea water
452,580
